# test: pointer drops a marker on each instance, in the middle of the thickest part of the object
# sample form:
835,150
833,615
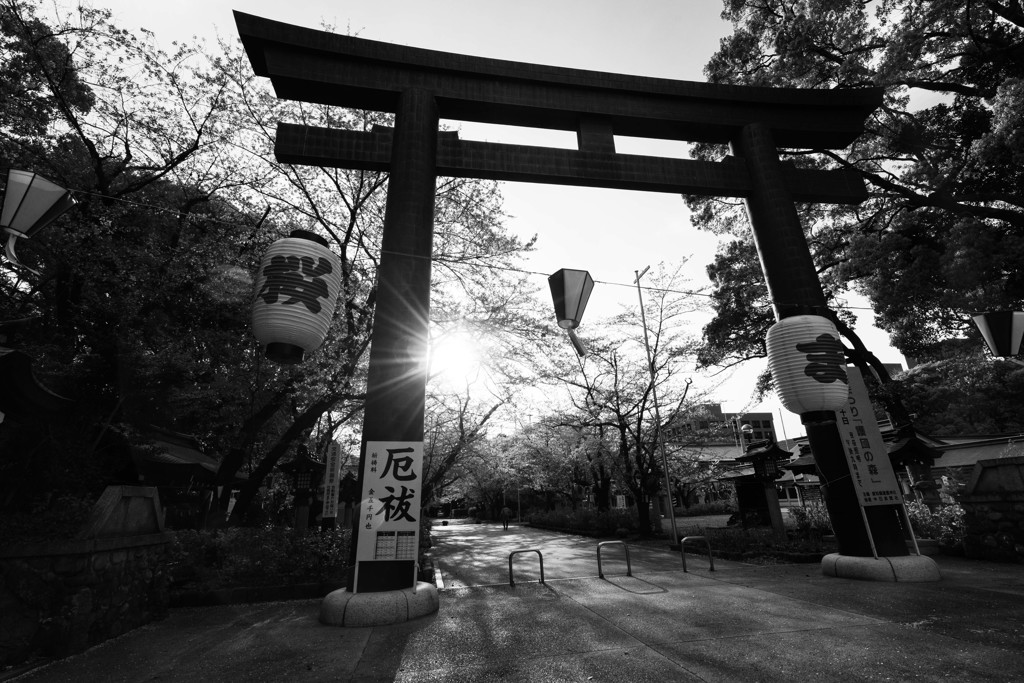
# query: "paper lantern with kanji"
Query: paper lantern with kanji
297,288
807,364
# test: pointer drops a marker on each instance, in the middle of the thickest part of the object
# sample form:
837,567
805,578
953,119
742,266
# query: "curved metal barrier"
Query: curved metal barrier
511,582
629,566
682,550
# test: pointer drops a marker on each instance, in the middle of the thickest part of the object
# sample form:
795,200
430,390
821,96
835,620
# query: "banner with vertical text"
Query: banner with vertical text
332,474
870,467
389,522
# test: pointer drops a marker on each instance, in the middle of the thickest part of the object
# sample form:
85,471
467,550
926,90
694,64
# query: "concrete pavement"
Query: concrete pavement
477,555
739,623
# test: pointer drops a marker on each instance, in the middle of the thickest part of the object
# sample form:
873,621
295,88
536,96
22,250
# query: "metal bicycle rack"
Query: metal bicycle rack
682,550
511,582
629,567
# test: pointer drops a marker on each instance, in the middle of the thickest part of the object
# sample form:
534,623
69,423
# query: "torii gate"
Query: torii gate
421,86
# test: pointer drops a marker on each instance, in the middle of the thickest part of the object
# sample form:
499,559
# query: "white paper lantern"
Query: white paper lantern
807,364
296,290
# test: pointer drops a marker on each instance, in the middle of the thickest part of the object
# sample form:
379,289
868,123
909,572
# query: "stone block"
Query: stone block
915,568
70,564
81,602
423,600
100,598
125,511
19,623
906,568
342,608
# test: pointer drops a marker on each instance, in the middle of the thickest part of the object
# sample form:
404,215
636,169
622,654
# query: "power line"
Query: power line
433,259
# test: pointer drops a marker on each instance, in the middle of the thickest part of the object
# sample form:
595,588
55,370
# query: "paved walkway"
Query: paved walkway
477,555
739,623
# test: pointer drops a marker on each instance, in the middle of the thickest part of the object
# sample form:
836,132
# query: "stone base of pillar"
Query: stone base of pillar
342,608
905,568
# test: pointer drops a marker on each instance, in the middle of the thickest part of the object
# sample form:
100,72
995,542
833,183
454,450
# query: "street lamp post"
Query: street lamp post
743,433
657,414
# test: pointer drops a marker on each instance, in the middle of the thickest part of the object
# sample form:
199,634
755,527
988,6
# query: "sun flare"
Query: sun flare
455,360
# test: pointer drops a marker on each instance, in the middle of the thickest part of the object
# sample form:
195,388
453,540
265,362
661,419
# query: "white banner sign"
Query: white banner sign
389,523
866,453
332,477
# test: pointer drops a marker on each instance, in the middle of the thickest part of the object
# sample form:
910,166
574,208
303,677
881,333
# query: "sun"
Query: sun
455,360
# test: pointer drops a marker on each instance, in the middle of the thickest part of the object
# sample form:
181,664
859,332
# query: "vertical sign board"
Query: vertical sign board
389,525
870,467
332,479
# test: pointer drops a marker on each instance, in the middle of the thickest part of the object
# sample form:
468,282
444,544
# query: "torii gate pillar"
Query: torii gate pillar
382,586
397,377
794,287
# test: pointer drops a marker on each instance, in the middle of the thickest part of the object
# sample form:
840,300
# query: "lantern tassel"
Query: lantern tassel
12,257
576,343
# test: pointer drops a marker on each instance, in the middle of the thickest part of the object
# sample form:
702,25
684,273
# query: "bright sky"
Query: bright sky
610,233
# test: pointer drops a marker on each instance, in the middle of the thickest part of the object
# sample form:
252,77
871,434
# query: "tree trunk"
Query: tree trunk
643,511
603,494
303,423
235,457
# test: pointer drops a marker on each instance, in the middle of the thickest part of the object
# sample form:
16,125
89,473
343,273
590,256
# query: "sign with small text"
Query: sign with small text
332,477
389,510
866,454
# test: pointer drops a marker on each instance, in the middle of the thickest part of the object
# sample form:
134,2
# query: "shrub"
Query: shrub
588,520
552,518
946,525
737,541
760,546
689,529
603,523
811,519
61,517
715,507
219,558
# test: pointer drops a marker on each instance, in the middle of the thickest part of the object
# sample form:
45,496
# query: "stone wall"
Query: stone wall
62,596
993,503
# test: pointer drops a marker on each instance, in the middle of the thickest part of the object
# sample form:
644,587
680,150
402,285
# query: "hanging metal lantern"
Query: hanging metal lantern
296,290
30,202
1002,331
570,290
807,363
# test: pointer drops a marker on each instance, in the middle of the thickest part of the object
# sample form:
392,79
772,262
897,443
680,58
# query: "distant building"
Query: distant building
893,368
710,426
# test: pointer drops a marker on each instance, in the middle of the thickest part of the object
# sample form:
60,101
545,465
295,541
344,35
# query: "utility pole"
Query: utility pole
657,414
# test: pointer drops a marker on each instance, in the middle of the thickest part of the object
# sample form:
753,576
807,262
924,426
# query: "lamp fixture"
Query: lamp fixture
30,202
1002,330
570,291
